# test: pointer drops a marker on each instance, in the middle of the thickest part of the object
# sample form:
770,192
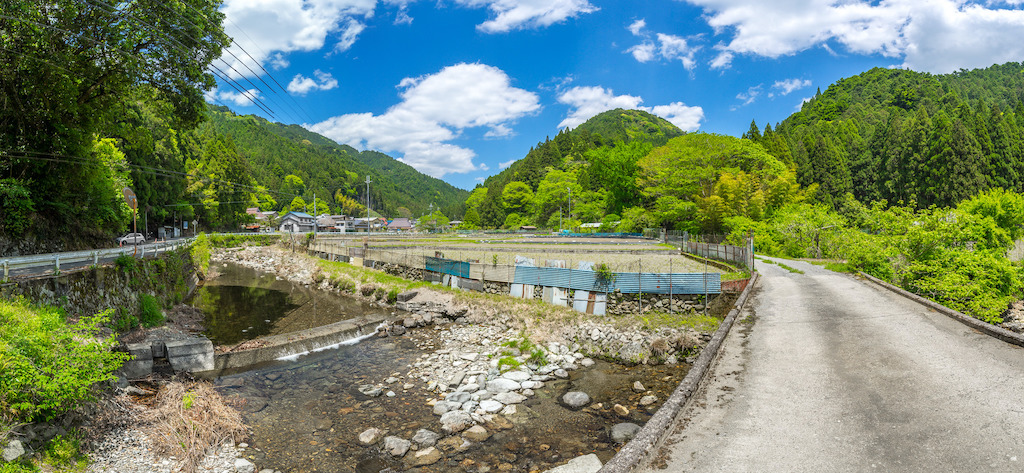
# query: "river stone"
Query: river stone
620,410
441,407
13,450
396,446
455,421
509,398
576,399
491,406
370,436
503,385
397,330
585,464
561,373
244,466
518,376
459,397
624,432
469,406
533,384
476,433
469,388
370,390
648,400
547,369
427,456
425,438
638,387
587,362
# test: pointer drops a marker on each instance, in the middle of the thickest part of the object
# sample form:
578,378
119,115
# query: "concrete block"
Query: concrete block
141,363
472,285
159,349
193,354
406,296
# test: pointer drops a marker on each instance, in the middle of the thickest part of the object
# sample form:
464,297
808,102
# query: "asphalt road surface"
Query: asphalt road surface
828,373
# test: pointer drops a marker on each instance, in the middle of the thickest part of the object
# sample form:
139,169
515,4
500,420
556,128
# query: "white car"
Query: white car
131,239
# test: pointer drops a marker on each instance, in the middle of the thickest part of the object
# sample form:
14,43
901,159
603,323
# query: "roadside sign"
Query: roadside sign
130,199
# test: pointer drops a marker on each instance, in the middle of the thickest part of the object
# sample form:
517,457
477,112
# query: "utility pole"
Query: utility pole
314,215
570,208
368,181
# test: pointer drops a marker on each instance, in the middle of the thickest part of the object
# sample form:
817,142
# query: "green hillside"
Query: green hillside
275,151
900,135
572,160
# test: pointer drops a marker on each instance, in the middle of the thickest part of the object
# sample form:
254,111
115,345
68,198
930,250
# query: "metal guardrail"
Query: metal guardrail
55,260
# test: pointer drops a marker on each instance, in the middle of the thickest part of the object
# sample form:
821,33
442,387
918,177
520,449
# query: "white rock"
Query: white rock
502,385
244,466
396,446
13,450
469,356
587,362
584,464
518,376
509,410
370,436
491,406
509,398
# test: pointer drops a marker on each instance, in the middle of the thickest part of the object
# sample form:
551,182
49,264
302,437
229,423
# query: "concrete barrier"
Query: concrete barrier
192,354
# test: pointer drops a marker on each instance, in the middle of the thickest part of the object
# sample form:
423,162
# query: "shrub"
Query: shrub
393,296
150,314
127,263
49,366
64,452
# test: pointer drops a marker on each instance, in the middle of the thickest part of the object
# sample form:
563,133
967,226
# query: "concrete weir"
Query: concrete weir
290,344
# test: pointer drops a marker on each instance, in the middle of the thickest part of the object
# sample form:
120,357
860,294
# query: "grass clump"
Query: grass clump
127,263
695,320
189,420
508,363
65,454
150,314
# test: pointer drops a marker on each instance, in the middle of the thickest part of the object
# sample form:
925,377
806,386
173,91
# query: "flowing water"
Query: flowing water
242,304
306,414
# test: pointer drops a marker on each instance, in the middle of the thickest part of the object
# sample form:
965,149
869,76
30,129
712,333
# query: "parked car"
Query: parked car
131,239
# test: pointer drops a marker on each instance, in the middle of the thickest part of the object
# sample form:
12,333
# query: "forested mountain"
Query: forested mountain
899,135
336,173
535,188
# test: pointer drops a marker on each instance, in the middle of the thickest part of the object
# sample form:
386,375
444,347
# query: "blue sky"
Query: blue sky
461,88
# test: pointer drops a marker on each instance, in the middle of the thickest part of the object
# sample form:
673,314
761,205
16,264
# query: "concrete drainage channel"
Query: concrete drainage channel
652,433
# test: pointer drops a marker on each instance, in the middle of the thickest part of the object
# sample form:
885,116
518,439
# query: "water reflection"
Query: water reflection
241,304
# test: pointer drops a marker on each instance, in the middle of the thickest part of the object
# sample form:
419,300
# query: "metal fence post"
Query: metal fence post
56,264
6,270
96,257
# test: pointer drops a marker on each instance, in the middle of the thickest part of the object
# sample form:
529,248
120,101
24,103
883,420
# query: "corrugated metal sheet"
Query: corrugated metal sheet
447,266
630,283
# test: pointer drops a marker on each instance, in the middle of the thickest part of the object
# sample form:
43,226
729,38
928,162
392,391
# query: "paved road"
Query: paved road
152,249
833,374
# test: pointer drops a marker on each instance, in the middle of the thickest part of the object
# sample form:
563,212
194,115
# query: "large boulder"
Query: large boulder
503,385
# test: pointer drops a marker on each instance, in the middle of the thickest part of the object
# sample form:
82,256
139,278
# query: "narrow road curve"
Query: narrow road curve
824,372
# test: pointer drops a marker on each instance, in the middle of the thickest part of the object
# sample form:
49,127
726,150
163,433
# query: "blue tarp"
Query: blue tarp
447,266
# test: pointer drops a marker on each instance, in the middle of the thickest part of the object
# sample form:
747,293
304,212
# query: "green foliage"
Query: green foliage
200,253
61,92
235,240
393,295
507,363
604,274
695,320
64,452
538,357
15,206
150,314
50,366
127,263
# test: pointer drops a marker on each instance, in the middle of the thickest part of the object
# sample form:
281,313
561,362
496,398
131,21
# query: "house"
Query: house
401,224
299,222
335,223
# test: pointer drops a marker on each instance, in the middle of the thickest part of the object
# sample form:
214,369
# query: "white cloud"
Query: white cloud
637,27
937,36
800,105
241,99
785,87
669,47
750,95
643,52
585,102
270,29
506,164
499,131
301,85
521,14
434,110
674,47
